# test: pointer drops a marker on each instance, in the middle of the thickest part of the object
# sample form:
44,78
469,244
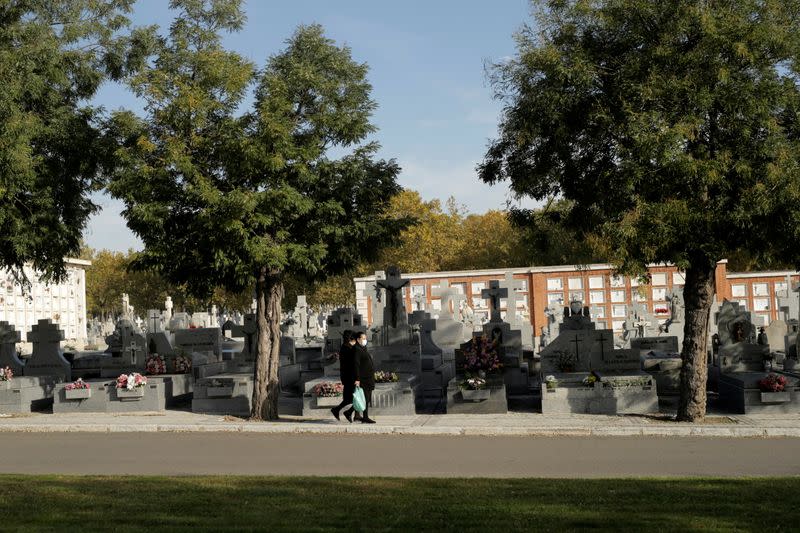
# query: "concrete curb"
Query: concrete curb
299,429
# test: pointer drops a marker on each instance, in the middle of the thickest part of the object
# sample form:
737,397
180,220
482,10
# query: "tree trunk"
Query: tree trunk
269,293
698,294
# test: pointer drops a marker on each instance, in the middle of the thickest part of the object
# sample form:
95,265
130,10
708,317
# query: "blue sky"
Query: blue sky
426,58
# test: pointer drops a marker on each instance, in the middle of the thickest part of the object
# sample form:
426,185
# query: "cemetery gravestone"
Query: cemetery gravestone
9,337
449,331
47,359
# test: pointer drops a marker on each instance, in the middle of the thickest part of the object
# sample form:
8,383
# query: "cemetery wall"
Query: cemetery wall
594,284
63,303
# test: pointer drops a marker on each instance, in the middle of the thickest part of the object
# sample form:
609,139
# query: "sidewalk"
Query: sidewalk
511,424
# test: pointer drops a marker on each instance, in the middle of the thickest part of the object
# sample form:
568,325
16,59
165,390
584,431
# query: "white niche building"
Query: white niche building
63,303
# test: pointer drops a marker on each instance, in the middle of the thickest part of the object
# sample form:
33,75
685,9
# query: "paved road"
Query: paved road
380,455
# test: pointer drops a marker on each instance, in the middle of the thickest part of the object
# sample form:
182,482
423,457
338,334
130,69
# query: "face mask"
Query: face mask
363,342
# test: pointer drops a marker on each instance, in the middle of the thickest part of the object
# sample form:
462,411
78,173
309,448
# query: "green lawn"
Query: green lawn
81,504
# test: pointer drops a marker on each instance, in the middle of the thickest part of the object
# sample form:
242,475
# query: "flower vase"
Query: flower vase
475,395
78,394
135,394
328,401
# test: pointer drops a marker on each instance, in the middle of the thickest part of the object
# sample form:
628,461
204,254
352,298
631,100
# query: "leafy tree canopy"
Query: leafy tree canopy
670,127
54,54
671,130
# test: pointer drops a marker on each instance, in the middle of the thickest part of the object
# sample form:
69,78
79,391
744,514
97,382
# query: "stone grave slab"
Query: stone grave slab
388,399
667,343
105,399
26,394
199,340
496,403
739,393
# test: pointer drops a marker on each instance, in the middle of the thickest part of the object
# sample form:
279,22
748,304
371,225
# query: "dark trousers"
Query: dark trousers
347,395
368,396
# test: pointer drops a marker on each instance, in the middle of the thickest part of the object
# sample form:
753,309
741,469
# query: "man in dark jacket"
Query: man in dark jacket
365,370
347,374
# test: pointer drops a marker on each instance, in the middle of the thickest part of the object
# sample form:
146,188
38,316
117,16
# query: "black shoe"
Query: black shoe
357,416
367,421
335,411
349,415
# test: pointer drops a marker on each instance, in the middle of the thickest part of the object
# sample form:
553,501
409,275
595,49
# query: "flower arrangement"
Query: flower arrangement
386,377
155,364
481,355
182,364
131,381
473,383
772,383
78,384
326,389
6,374
551,382
590,380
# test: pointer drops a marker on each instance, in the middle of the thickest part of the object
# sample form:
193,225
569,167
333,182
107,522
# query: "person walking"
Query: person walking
365,372
347,374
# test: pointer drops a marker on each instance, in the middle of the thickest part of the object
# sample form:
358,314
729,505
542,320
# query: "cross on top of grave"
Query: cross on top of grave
154,323
45,331
419,302
449,296
8,333
511,285
494,293
393,285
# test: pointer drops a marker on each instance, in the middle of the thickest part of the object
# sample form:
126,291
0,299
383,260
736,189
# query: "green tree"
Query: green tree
54,55
672,129
106,280
231,201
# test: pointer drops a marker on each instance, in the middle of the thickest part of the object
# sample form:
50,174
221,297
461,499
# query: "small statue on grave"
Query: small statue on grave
762,337
738,332
544,338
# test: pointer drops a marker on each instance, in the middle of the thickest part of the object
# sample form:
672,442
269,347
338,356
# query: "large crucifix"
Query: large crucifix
494,293
511,285
393,284
450,296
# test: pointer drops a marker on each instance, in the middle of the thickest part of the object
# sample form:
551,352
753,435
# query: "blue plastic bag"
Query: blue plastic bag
359,400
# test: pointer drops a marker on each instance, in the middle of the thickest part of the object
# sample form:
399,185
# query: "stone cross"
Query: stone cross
154,324
47,359
494,293
419,302
393,284
449,296
9,337
378,305
511,285
45,332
